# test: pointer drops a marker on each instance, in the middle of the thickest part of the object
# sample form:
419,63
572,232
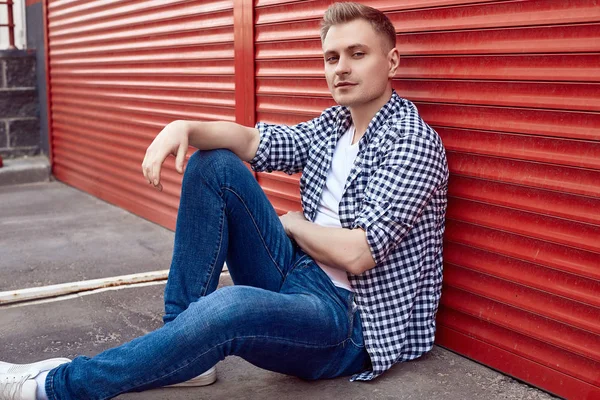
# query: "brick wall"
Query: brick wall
19,105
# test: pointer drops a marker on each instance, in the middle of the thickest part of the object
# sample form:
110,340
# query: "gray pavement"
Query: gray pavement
51,233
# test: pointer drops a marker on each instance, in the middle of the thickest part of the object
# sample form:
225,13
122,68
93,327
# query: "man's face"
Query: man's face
357,65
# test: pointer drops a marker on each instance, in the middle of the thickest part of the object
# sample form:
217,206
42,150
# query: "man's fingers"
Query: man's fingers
156,165
146,171
144,167
180,158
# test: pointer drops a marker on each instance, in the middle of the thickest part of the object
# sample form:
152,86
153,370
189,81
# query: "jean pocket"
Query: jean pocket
301,261
355,333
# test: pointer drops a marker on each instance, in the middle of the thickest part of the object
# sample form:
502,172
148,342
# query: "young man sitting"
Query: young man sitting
349,286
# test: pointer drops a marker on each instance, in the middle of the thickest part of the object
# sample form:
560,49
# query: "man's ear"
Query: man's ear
394,61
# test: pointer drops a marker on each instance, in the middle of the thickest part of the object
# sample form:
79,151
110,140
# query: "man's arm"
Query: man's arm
413,170
396,194
176,137
241,140
341,248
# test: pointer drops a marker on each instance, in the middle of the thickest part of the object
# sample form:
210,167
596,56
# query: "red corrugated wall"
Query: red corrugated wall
119,71
513,88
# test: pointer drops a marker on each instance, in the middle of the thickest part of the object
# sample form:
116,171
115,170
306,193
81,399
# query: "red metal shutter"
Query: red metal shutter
513,88
290,87
119,72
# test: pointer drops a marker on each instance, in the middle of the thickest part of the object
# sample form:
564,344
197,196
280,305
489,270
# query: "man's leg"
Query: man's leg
223,214
309,329
222,201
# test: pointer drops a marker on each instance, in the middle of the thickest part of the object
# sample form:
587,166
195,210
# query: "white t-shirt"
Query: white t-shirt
327,212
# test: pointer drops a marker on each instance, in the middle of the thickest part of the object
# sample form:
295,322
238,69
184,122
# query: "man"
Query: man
348,287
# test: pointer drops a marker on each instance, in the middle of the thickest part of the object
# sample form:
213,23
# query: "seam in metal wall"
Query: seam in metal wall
513,88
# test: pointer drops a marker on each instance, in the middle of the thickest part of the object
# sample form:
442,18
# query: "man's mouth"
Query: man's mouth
344,84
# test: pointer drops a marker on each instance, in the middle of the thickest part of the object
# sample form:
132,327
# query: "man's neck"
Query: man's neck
362,116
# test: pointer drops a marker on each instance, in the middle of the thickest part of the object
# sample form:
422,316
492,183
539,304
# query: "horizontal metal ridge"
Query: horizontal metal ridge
541,201
169,96
148,26
559,257
218,37
505,359
572,180
526,273
190,82
522,345
532,40
560,67
552,229
551,150
300,21
131,13
142,109
533,325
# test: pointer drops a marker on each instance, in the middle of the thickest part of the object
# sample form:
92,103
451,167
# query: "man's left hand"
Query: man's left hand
290,220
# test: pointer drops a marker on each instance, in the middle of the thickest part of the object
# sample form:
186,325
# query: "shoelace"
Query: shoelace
11,388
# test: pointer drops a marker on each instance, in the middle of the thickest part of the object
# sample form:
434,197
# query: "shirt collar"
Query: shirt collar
384,114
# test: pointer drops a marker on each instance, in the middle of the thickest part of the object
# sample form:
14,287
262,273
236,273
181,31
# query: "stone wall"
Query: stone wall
19,104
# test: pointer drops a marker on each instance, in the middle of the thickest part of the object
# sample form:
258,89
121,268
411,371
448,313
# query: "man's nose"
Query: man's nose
342,67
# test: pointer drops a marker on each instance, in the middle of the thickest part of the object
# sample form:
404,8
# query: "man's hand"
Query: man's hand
173,139
290,220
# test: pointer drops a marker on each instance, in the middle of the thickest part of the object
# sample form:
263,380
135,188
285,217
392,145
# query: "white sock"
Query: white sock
40,379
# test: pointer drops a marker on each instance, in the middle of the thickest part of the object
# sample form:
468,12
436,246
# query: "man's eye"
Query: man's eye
358,54
331,59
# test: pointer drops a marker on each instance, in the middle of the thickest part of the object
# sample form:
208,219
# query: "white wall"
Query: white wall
19,20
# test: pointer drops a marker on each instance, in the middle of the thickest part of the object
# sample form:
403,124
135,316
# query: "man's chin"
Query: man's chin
344,101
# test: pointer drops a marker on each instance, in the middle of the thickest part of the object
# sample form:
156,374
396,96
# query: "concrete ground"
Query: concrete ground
51,233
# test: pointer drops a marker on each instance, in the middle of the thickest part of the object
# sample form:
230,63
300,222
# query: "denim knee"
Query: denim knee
214,160
218,165
221,315
227,305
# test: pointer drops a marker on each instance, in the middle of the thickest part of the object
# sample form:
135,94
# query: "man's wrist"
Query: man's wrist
290,232
184,126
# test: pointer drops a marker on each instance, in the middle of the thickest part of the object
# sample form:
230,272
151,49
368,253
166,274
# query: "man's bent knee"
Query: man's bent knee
214,163
225,311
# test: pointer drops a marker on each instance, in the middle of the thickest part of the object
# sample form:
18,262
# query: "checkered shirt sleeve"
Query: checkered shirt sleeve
398,191
283,148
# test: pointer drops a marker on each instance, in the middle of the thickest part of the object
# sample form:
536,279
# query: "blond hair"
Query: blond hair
340,13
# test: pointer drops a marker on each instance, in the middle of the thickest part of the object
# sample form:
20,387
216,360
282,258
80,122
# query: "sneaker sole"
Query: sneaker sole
200,380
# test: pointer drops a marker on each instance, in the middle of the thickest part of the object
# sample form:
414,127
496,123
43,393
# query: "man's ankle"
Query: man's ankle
40,379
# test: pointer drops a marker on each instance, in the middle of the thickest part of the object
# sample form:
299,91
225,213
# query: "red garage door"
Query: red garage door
119,72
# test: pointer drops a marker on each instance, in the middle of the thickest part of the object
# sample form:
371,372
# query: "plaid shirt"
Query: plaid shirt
396,192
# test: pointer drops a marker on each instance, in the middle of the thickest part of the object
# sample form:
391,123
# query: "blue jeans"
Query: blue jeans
283,314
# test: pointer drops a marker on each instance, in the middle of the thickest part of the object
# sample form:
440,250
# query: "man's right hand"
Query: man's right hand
173,139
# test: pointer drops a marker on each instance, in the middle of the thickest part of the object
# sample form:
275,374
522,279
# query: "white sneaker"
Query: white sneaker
207,378
17,380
